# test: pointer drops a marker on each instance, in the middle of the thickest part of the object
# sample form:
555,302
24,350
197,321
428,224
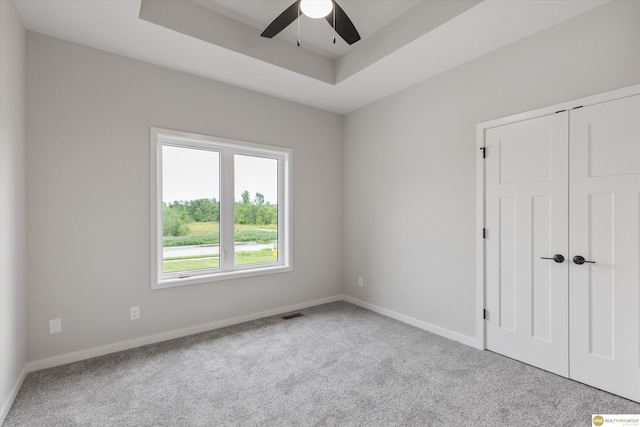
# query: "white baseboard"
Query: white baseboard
165,336
6,405
464,339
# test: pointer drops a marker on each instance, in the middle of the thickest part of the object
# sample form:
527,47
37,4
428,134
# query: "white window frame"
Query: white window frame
227,149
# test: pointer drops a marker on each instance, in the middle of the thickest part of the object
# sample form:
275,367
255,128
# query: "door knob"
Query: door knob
579,259
557,258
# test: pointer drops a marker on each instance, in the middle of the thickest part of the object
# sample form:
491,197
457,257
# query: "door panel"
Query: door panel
600,287
612,131
541,295
508,268
524,158
605,228
526,203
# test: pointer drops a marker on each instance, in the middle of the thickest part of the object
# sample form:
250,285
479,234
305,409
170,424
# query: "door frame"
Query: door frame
481,129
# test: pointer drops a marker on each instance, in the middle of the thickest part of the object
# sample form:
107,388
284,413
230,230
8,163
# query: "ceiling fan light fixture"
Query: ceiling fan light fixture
316,9
340,22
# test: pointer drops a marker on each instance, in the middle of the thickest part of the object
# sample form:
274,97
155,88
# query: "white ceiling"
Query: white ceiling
403,42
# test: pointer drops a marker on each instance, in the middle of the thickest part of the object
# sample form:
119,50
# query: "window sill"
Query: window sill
229,275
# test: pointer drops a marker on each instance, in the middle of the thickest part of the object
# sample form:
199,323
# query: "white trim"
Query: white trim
480,177
6,405
224,275
480,240
438,330
165,336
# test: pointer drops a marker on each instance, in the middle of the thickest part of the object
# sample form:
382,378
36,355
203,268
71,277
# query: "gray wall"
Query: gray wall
12,205
88,120
410,160
387,192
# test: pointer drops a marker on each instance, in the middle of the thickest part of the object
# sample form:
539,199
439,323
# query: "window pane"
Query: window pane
256,209
190,209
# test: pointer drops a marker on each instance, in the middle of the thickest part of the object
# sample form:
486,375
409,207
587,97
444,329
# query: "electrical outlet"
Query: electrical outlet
55,326
134,313
360,281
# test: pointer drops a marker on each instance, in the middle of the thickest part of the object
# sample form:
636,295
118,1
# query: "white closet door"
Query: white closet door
604,227
526,219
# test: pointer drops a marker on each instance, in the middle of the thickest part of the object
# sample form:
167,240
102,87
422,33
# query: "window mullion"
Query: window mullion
227,214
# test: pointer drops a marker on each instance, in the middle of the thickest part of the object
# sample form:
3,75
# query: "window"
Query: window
220,209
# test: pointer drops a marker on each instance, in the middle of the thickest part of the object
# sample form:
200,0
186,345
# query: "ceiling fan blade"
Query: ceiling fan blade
344,27
283,20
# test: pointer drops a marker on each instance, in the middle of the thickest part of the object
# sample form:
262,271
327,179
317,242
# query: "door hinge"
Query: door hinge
484,313
484,233
484,152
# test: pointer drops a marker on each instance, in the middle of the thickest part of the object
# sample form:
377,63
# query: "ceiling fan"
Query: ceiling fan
328,9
